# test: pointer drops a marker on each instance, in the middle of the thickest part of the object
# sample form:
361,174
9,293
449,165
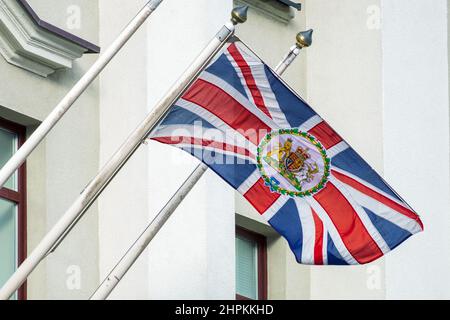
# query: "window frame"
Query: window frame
19,198
261,242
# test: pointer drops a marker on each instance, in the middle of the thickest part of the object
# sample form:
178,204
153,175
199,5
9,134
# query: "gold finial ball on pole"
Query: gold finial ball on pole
239,14
304,38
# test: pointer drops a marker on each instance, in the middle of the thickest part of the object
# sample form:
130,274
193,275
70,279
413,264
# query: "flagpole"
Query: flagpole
118,160
64,105
304,39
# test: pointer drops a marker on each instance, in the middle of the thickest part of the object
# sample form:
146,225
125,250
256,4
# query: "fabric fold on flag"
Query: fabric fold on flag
250,128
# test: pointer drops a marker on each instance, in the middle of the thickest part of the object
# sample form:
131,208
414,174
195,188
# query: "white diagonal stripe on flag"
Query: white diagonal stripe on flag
310,123
240,75
230,90
340,246
362,214
325,246
308,230
336,149
385,212
370,186
249,182
275,207
263,85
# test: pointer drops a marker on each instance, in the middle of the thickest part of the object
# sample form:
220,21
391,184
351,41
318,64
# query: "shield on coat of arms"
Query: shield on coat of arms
295,162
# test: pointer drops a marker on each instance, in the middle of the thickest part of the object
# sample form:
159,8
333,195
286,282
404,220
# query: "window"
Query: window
12,206
251,265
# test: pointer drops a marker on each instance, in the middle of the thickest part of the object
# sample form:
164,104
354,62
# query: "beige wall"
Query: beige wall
123,205
416,148
193,256
64,163
344,87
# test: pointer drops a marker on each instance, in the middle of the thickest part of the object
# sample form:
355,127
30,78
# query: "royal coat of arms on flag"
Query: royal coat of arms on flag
256,133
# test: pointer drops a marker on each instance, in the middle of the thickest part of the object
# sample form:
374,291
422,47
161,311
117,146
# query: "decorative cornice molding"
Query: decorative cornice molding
27,44
272,8
295,5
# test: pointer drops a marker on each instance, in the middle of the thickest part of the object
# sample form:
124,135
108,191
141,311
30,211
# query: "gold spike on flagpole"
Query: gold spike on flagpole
304,40
239,15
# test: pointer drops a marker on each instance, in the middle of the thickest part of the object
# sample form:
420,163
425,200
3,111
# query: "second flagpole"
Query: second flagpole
304,39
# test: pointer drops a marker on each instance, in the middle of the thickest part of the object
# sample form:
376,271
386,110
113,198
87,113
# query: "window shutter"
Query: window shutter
246,268
8,239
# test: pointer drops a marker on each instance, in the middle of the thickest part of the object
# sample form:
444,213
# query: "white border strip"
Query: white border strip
249,182
261,81
310,123
308,230
276,206
385,212
368,185
338,148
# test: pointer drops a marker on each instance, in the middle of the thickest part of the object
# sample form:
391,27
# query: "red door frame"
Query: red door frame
20,198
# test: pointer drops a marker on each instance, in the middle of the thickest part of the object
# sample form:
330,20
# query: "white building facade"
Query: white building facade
377,71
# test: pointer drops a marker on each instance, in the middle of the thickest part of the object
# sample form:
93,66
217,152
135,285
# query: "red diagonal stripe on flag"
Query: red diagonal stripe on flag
318,243
377,196
249,79
348,224
260,197
326,135
204,143
225,107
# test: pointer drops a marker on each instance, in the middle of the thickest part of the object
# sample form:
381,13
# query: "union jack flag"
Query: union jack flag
249,127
